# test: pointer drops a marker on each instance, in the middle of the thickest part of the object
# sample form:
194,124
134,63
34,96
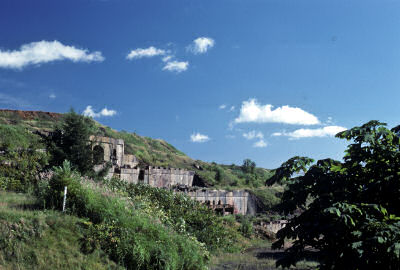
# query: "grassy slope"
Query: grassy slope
32,239
155,152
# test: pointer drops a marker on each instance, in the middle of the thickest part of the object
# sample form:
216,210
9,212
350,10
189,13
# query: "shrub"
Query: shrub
133,239
19,169
65,177
186,215
246,225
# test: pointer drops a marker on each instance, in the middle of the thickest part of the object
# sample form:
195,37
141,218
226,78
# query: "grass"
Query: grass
258,256
33,239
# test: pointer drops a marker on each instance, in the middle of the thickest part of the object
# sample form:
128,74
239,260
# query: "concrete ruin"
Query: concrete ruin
225,202
126,167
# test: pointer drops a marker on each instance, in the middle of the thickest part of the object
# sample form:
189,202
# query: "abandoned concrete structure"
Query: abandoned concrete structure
126,167
225,202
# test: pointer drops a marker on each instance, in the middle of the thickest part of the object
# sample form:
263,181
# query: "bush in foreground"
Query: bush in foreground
132,238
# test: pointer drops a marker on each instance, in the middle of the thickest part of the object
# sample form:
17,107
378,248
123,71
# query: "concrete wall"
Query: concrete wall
167,177
130,161
241,200
130,175
113,148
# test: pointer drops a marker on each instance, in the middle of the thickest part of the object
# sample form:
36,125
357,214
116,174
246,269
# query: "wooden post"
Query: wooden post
65,198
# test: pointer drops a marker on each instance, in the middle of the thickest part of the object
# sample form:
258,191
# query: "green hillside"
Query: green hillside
35,239
18,128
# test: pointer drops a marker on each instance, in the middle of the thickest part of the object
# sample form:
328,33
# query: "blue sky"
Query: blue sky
222,80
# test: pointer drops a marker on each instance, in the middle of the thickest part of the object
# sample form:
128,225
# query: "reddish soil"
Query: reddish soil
28,115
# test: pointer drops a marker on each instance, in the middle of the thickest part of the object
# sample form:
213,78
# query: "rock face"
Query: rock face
109,150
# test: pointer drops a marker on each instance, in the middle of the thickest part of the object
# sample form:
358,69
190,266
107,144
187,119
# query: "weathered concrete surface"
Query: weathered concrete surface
240,200
167,177
113,149
129,161
131,175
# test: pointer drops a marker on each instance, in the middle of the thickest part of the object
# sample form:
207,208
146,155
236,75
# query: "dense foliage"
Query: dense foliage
347,211
70,141
181,213
135,239
20,167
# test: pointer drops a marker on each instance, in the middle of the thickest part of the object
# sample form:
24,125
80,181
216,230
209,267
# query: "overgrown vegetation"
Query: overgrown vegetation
34,239
347,211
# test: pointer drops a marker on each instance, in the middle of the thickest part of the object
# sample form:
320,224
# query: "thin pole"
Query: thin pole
65,198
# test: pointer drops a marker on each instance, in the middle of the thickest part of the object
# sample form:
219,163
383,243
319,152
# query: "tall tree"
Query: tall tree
248,166
70,141
349,211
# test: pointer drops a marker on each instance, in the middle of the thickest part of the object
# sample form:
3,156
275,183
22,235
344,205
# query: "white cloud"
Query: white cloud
199,138
52,96
221,107
148,52
176,66
308,133
260,144
232,108
201,45
104,112
253,135
40,52
167,58
253,112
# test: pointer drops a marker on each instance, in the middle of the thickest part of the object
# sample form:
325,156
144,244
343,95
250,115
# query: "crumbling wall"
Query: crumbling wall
113,148
167,177
131,175
240,200
129,161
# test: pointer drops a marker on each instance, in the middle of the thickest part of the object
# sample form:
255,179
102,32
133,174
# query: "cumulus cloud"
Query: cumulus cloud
40,52
232,108
167,57
199,138
328,131
201,45
104,112
253,135
254,112
148,52
52,96
176,66
260,144
221,107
